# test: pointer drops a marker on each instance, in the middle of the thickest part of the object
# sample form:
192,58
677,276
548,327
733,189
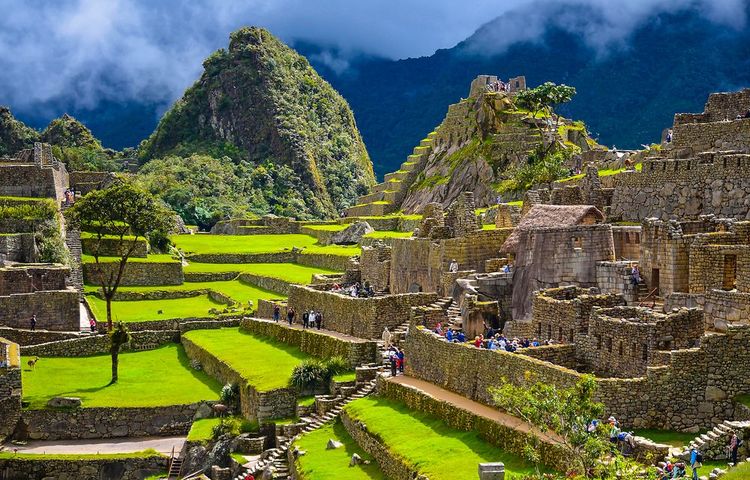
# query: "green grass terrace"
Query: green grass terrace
152,378
129,311
287,272
423,441
265,363
246,244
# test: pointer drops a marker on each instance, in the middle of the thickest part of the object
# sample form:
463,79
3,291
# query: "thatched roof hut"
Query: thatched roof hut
551,216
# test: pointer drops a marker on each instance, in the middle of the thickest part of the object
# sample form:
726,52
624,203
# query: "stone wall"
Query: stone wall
708,267
88,423
315,343
505,437
32,278
664,257
99,344
41,468
18,247
627,241
562,355
719,107
266,283
723,308
33,181
716,373
54,310
375,265
359,317
693,138
254,405
616,278
319,260
138,273
111,247
25,337
85,182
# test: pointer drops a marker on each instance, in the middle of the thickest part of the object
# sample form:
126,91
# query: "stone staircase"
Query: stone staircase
455,321
275,460
73,242
713,444
386,197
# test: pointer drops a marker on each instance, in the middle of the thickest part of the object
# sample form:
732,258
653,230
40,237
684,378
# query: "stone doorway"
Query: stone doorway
730,272
654,281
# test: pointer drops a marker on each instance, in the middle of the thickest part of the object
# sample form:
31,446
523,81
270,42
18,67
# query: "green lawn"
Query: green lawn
667,437
388,234
489,226
235,289
424,441
741,472
265,363
155,258
321,464
150,378
336,227
288,272
241,244
202,430
148,310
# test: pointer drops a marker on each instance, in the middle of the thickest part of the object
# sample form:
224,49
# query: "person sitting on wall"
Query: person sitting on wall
635,275
439,328
669,136
449,335
535,343
478,341
453,267
461,337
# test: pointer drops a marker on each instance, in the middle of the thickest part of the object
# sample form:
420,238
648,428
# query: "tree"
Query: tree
118,337
122,216
567,412
544,99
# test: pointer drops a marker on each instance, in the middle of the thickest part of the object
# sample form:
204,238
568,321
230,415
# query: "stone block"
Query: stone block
491,471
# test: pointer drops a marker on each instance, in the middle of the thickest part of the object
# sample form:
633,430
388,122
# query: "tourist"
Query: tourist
92,324
535,342
679,470
401,358
506,268
461,337
669,136
439,329
386,338
453,267
734,445
449,335
276,313
696,461
290,313
249,476
33,322
635,275
318,320
305,319
614,429
393,359
478,341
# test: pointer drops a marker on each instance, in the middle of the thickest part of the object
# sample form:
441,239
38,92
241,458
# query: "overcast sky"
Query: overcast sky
59,51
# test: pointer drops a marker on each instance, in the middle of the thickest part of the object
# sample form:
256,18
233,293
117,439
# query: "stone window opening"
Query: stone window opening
572,335
539,330
609,345
644,354
549,332
730,272
634,350
620,349
560,333
577,242
598,342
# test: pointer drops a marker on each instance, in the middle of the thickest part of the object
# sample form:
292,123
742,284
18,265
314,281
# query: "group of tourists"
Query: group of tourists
70,196
396,360
743,115
498,86
355,290
310,318
493,340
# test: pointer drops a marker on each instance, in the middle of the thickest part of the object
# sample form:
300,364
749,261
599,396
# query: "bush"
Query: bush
230,394
233,426
312,374
41,210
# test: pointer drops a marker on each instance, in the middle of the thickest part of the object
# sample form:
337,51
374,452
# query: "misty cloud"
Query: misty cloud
79,52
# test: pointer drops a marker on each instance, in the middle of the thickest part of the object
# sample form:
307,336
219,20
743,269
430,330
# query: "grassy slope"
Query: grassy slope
148,310
322,464
265,363
202,430
288,272
438,451
240,244
157,258
388,234
675,439
152,378
741,472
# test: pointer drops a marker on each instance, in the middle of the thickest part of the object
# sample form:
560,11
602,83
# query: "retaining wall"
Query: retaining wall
138,273
40,468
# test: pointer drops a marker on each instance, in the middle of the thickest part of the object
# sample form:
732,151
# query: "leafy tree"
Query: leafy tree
543,100
118,337
124,214
565,414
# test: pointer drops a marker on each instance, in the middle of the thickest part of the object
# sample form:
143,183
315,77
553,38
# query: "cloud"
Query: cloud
80,52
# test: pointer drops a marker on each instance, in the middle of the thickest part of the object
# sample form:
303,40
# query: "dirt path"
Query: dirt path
477,408
111,445
330,333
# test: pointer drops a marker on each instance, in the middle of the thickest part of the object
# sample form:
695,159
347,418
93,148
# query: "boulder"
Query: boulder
355,460
204,410
352,234
333,444
64,402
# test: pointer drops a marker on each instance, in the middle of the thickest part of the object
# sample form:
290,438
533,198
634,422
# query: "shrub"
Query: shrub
312,374
233,426
230,394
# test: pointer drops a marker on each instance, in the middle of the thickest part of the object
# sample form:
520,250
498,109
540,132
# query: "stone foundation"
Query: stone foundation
30,468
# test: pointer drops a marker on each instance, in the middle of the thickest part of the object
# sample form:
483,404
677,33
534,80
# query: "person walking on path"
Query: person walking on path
393,359
276,313
305,319
386,338
696,461
290,316
734,446
401,357
33,322
318,320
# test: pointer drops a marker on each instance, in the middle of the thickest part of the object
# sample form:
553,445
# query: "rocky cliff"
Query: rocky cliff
482,139
14,134
262,105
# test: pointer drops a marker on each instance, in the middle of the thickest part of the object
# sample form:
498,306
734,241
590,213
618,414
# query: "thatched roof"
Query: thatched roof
550,216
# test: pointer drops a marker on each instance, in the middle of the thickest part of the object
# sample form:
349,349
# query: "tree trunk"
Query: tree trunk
108,298
115,364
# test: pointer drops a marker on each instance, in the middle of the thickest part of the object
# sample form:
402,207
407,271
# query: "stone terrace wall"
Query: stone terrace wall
716,184
25,468
255,405
720,106
18,247
627,241
55,310
25,337
32,181
723,308
111,247
10,400
702,137
616,278
32,278
139,273
502,436
315,343
704,397
266,283
99,344
85,423
319,260
359,317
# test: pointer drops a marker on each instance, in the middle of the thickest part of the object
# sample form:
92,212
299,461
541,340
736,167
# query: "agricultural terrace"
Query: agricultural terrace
288,272
265,363
152,378
128,311
241,244
437,451
320,463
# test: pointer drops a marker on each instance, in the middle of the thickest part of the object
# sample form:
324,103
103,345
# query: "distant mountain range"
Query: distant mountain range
670,64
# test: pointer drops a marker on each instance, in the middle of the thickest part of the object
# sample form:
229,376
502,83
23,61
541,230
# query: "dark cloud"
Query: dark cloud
79,52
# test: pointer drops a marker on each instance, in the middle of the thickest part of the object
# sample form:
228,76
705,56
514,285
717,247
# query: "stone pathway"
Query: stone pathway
112,445
480,409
